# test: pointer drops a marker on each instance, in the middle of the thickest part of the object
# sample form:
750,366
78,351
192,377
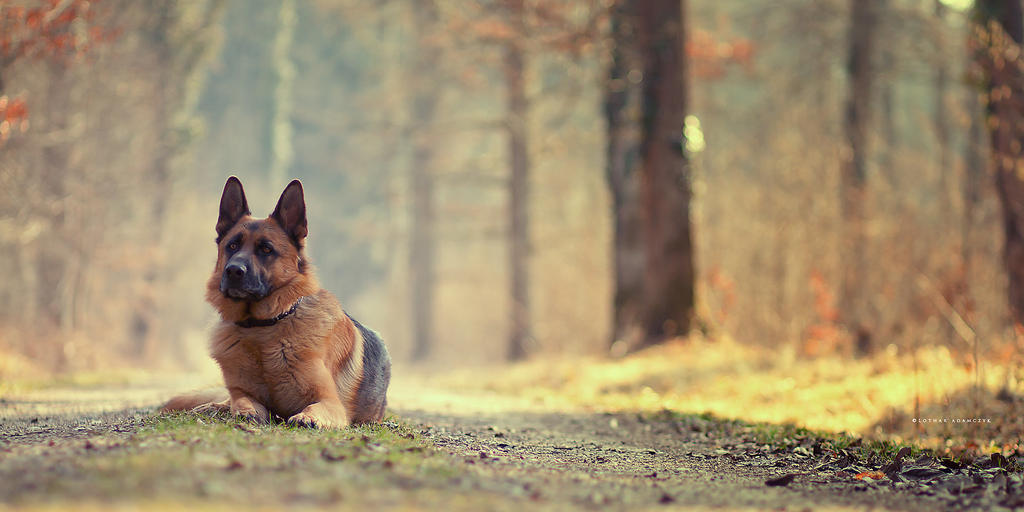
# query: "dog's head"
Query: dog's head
257,257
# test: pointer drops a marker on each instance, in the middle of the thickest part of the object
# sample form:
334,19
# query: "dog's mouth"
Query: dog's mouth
244,295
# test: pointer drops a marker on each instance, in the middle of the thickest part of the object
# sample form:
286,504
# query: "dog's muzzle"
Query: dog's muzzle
239,281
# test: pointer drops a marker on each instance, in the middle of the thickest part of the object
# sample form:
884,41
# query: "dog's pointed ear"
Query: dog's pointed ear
232,206
290,213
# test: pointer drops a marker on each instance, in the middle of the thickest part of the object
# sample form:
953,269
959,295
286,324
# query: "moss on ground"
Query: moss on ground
220,459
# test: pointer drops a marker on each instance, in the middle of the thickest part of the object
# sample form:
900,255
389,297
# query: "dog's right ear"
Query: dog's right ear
232,207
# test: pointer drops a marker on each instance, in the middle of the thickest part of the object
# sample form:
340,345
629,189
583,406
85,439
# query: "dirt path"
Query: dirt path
514,452
625,461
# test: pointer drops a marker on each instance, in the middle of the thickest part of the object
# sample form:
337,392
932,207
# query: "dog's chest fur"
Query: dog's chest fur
276,364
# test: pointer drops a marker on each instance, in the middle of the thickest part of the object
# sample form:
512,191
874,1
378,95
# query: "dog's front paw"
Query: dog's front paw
319,416
254,417
306,420
250,410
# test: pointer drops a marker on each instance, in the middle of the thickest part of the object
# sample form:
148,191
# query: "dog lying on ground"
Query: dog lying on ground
285,346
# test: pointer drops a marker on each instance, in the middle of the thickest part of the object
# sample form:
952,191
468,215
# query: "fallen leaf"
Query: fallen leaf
904,452
922,473
874,475
330,457
782,480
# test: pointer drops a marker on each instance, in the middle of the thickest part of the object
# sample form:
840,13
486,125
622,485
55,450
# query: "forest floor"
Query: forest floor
541,435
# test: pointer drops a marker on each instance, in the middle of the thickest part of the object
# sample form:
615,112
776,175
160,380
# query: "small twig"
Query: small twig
960,326
56,11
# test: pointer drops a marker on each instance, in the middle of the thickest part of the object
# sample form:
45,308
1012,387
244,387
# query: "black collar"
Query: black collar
267,322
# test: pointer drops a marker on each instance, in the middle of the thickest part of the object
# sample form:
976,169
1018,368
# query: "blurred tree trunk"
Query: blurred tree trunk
853,174
622,110
648,173
160,33
178,51
180,44
1002,24
25,253
58,283
160,36
888,130
975,165
422,246
941,121
519,191
975,168
282,152
948,198
28,258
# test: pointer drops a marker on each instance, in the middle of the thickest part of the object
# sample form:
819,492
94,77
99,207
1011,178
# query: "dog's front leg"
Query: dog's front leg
327,411
244,405
241,370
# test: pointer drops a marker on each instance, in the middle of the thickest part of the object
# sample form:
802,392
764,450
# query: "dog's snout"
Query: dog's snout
241,281
235,270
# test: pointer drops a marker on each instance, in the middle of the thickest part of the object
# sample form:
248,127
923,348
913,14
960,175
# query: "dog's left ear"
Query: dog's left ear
290,213
233,206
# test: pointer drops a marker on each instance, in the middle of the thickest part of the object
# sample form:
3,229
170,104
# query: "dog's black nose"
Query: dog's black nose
235,271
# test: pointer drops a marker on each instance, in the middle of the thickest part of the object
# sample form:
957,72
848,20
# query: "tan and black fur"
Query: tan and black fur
284,345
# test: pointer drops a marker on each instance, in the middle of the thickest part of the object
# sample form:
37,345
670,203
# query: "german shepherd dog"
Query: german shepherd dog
284,345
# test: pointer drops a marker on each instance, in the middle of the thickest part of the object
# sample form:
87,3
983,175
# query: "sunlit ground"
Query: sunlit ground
874,397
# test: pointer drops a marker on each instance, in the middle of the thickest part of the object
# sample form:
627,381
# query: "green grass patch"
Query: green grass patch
219,458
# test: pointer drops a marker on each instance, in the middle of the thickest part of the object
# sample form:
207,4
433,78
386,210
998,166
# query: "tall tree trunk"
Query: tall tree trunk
519,191
975,168
853,174
28,264
422,246
56,286
164,13
281,128
1003,66
949,197
648,173
947,181
665,180
178,50
887,96
68,289
160,34
26,254
622,110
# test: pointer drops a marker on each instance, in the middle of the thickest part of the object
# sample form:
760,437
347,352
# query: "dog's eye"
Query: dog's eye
266,249
233,246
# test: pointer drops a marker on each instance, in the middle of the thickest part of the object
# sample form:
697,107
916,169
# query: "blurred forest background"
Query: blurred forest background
495,180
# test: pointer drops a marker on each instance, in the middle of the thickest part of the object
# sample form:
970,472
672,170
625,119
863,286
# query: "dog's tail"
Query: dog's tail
190,401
